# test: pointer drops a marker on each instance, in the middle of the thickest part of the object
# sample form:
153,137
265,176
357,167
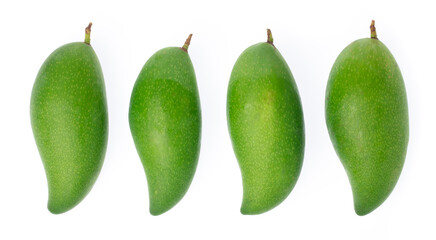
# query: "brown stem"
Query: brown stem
187,42
88,34
270,37
373,32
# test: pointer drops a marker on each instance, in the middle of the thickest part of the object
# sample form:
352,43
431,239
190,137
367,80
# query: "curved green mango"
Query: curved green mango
70,122
266,126
165,122
367,119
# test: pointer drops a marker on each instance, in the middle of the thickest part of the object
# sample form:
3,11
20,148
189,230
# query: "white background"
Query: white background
309,34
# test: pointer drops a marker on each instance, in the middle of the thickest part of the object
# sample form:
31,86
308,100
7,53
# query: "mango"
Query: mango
367,119
266,126
70,122
165,122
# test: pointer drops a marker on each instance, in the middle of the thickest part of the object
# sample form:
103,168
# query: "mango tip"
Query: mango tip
362,211
157,212
55,210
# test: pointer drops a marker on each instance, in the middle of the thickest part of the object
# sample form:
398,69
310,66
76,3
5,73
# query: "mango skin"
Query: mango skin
165,122
70,123
367,119
266,126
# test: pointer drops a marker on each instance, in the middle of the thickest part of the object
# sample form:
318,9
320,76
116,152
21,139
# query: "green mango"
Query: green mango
367,119
266,126
165,122
70,122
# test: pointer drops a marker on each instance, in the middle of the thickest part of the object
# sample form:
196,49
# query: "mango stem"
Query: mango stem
187,42
373,32
270,37
88,34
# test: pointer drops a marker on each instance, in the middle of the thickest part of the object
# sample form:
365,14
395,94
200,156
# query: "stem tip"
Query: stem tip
373,32
270,37
88,34
187,42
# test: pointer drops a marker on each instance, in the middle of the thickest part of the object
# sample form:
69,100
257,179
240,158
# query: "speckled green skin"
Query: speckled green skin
266,126
367,119
70,123
165,121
